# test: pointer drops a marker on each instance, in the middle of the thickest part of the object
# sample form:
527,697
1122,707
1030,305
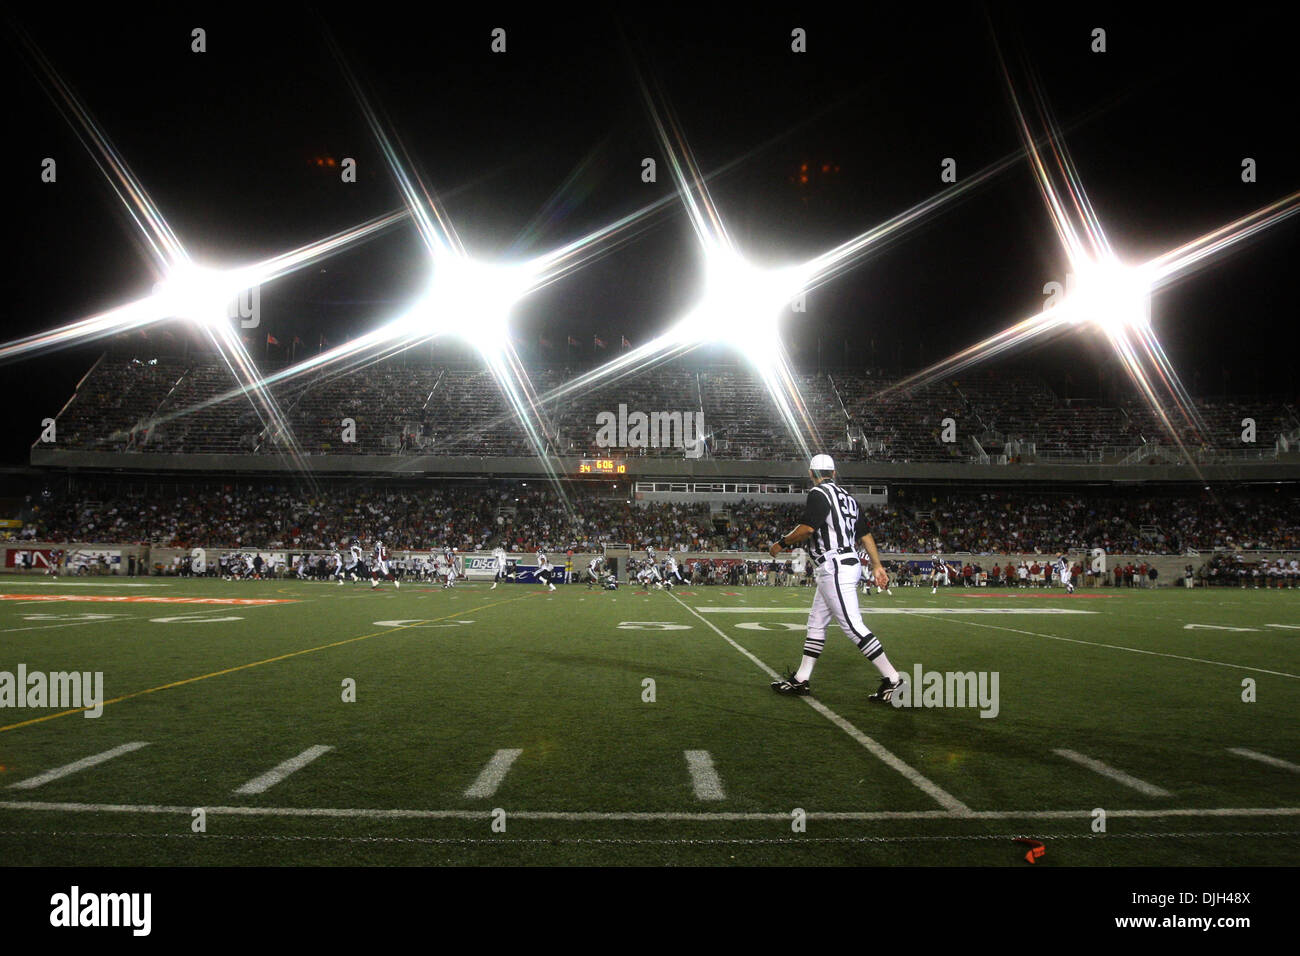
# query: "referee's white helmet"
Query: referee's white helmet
821,463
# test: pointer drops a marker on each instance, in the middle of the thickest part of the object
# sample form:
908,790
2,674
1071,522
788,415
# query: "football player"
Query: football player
544,569
674,575
1063,571
594,568
938,573
499,565
379,567
354,564
649,577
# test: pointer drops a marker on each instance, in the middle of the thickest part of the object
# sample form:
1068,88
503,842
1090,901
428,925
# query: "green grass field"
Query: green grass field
475,701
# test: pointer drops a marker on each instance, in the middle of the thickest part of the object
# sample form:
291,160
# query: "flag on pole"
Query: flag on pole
271,339
598,341
626,344
574,342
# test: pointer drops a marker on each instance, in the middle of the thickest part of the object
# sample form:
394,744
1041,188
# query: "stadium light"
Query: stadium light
1106,293
197,293
1111,295
468,299
741,307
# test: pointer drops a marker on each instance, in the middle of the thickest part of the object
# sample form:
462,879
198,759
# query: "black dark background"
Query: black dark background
541,144
917,899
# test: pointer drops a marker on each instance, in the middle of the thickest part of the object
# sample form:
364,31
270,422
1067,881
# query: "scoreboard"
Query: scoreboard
601,466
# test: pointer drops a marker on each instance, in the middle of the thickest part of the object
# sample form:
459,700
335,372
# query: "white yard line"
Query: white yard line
707,609
117,617
1120,647
634,816
1265,758
47,627
912,775
704,776
77,765
88,584
493,774
1119,776
273,776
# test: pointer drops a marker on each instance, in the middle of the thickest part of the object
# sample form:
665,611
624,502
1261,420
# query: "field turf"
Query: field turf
515,727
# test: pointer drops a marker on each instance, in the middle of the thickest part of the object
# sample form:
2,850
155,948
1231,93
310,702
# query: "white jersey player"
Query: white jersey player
545,569
674,575
498,565
1064,572
594,568
649,576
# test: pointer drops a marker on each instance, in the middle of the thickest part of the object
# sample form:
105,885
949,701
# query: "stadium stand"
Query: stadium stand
172,405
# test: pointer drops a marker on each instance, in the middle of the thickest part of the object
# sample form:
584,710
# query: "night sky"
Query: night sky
537,146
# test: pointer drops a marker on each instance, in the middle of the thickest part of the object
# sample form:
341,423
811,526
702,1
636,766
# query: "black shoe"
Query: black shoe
885,693
791,686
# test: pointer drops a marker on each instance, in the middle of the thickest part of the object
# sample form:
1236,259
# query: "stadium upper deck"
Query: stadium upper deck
170,405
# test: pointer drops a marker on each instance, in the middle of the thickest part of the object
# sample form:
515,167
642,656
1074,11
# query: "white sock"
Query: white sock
886,669
805,668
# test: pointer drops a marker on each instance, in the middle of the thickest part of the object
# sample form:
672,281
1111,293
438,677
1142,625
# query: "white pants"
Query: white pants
1065,579
836,600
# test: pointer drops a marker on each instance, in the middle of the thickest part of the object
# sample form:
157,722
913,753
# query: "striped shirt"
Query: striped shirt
833,515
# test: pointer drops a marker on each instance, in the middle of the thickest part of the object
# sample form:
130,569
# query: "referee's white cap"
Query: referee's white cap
821,463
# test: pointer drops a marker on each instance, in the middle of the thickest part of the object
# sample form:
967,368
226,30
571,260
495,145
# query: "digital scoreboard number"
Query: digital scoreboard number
601,466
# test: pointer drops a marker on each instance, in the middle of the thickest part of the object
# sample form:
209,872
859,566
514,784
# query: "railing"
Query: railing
1151,450
1214,455
1068,456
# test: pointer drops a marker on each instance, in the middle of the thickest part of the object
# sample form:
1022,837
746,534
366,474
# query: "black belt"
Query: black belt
821,559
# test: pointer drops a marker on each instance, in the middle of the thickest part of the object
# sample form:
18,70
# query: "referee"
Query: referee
832,520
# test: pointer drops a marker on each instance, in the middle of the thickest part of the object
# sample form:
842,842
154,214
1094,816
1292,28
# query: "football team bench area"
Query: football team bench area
294,724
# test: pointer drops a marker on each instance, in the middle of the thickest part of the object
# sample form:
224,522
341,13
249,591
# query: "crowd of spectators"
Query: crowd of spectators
172,405
524,516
